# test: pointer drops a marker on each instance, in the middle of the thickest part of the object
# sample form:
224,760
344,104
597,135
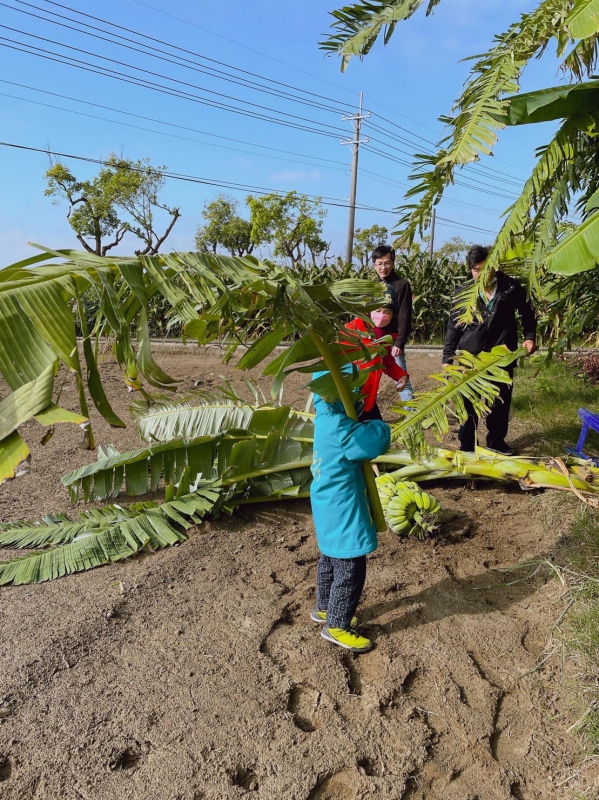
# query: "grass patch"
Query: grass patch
545,409
582,628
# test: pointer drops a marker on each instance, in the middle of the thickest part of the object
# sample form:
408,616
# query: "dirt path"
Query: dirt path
196,674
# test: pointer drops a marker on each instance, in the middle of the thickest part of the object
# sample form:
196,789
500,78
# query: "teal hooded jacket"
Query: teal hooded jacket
340,506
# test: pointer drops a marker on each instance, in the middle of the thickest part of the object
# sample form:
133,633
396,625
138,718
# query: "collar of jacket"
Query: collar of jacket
505,285
392,276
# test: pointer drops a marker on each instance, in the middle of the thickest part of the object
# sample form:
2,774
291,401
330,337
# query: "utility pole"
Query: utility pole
355,144
431,249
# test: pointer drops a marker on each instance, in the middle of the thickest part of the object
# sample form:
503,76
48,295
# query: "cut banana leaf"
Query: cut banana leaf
14,457
27,400
93,540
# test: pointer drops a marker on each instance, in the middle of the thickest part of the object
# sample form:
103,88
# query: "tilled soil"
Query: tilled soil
195,673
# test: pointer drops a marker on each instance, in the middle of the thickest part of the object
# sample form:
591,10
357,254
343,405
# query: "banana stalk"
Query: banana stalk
485,464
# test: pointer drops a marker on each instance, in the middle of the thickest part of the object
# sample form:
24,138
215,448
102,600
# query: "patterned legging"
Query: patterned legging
339,585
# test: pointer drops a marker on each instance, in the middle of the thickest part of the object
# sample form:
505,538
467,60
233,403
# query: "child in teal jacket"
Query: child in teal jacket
345,529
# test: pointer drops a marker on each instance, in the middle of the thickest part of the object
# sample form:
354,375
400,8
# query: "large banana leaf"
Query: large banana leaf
232,457
99,537
578,251
556,102
473,378
168,421
358,26
583,20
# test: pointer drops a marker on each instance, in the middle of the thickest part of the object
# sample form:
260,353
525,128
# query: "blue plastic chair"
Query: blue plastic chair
589,420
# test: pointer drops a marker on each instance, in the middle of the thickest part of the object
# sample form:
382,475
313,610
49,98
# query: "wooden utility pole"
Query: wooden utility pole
355,144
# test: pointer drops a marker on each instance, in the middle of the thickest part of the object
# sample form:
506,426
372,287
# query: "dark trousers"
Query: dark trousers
374,413
338,588
497,419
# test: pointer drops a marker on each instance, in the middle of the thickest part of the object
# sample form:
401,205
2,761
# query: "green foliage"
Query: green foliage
292,224
546,401
225,229
357,27
474,378
454,249
433,283
122,198
365,240
100,536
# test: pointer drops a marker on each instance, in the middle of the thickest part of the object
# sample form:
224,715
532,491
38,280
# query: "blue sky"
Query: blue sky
409,82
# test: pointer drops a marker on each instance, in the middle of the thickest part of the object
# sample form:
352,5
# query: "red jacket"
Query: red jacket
388,364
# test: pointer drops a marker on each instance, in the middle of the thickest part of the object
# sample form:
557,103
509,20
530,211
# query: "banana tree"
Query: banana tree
233,454
566,172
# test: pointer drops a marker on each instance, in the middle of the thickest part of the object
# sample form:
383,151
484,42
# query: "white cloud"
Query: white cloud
295,175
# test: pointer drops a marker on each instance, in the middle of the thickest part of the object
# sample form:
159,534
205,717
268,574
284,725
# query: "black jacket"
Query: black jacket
498,326
401,324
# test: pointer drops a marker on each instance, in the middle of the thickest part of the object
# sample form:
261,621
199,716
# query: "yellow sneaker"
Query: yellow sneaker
321,616
348,639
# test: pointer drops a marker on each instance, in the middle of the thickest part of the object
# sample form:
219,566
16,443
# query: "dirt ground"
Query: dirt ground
195,673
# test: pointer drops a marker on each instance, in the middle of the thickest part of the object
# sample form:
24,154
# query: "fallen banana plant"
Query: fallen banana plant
266,459
407,508
529,473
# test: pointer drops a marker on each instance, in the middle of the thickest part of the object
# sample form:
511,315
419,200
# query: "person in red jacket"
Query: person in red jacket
381,319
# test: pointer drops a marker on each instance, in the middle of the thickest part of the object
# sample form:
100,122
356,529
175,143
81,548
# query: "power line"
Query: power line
227,76
306,72
59,58
277,60
342,165
435,144
187,63
329,201
157,75
470,167
145,81
197,55
479,189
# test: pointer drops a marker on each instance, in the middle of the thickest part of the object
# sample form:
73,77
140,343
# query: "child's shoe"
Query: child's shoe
350,640
321,616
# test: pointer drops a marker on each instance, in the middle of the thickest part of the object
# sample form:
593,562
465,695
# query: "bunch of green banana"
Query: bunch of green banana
407,508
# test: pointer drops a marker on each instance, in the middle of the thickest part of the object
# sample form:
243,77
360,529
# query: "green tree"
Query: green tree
366,239
225,229
566,174
455,249
292,223
122,198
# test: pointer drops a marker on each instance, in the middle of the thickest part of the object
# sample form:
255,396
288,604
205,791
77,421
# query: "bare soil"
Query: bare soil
195,673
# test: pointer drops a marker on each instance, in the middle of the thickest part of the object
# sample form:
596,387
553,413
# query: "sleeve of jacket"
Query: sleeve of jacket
404,315
363,441
452,336
527,313
392,369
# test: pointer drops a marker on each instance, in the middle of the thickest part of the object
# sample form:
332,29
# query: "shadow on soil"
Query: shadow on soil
486,592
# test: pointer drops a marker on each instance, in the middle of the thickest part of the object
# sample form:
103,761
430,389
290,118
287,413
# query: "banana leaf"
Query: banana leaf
98,538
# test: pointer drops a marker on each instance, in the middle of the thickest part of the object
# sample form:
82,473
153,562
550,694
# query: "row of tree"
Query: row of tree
125,197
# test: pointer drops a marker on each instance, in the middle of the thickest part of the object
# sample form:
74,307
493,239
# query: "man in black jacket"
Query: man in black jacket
498,303
383,260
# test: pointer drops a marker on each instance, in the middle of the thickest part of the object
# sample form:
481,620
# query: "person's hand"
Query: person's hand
529,345
446,364
396,351
401,383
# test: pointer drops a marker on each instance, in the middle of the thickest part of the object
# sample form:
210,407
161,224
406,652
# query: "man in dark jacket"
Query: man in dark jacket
383,260
498,303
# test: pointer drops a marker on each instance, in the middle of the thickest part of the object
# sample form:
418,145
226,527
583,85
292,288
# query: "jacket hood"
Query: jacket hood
321,406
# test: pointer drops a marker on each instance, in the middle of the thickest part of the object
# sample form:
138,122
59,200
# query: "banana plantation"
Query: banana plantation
158,558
